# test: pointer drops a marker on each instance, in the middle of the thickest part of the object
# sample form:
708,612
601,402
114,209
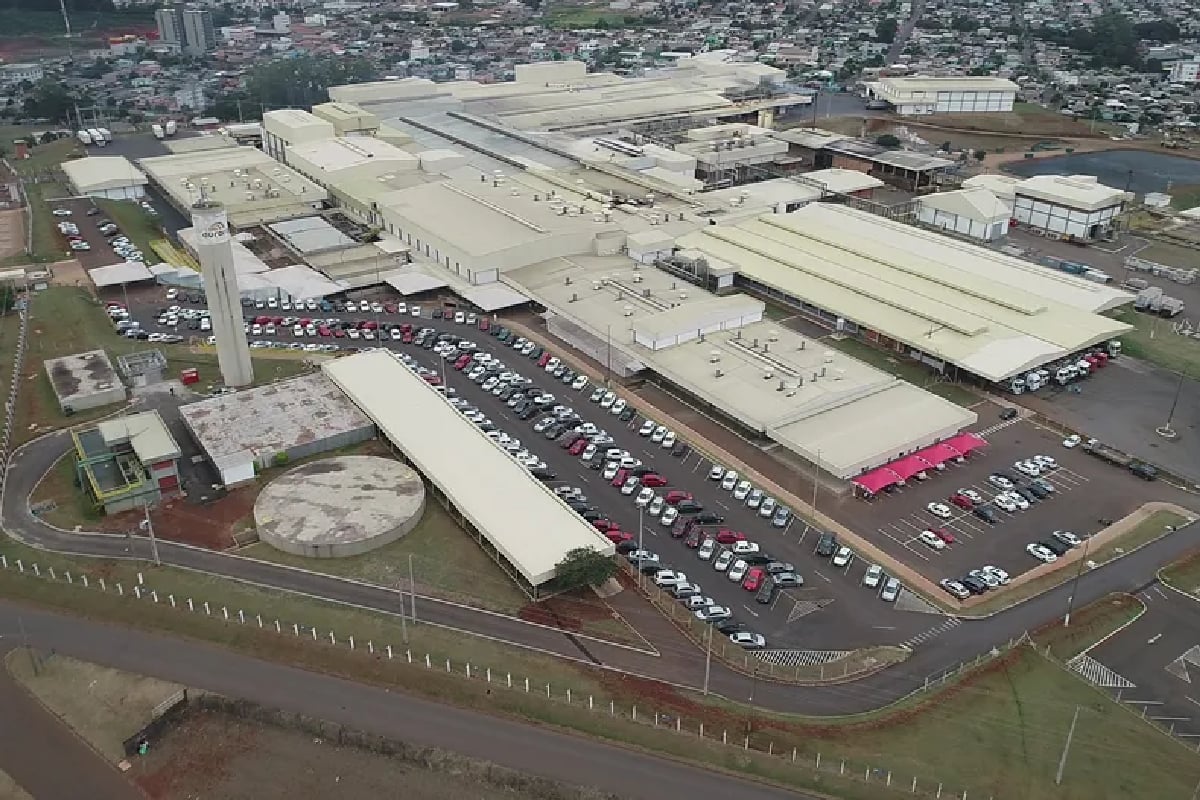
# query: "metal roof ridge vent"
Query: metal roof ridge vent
499,210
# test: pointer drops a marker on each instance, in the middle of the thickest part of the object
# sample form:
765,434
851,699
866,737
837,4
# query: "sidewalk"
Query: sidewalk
723,445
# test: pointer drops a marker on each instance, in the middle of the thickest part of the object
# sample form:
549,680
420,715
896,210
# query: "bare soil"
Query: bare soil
217,755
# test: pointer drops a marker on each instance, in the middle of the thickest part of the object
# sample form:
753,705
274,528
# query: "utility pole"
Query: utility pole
1075,583
1062,762
641,528
148,526
707,659
412,588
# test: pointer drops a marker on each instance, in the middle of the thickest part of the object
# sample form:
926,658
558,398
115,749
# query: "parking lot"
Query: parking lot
1085,492
86,219
815,614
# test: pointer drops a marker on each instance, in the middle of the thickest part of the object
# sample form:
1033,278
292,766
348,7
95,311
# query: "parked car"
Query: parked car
873,576
890,590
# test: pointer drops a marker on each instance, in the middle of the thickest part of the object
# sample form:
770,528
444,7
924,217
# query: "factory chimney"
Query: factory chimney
215,251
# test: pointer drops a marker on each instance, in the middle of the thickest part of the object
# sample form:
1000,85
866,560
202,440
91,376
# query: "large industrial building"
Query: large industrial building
951,304
955,95
438,441
1068,206
105,177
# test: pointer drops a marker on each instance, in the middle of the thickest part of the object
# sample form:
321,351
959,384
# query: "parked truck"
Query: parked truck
105,134
1114,456
84,137
157,130
170,128
97,137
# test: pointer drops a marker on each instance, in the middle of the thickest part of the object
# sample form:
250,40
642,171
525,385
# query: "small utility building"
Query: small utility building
975,213
956,95
84,380
105,177
128,462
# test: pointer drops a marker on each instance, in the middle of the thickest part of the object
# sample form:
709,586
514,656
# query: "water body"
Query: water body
1144,171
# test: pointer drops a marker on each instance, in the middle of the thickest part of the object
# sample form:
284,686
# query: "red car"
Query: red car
324,331
303,322
754,579
726,536
406,328
677,496
485,324
605,525
263,321
962,501
578,447
408,338
653,479
620,478
543,359
338,333
369,325
433,380
945,535
616,537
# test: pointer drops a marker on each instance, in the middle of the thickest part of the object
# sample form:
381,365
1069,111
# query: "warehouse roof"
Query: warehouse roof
917,85
334,155
118,274
525,521
146,433
1002,186
97,173
1075,191
843,181
988,313
976,203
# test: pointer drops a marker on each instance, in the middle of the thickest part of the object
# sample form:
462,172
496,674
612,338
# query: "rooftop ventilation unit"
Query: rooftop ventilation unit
567,281
772,336
718,374
714,356
627,311
768,375
828,357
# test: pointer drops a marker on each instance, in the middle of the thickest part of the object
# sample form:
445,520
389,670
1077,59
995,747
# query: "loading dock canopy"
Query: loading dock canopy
904,468
493,296
119,274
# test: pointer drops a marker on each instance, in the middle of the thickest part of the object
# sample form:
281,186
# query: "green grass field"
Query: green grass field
1184,574
580,16
1153,339
134,222
906,370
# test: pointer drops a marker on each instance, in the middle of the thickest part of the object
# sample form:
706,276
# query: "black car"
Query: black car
1036,490
537,352
437,313
757,559
543,474
827,545
1025,492
629,413
681,449
709,518
1054,545
689,507
640,471
986,513
766,593
554,431
591,515
650,567
529,412
728,626
1008,413
974,585
627,547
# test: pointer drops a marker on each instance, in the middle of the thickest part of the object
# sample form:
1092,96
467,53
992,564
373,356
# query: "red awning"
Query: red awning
877,479
939,453
966,442
908,466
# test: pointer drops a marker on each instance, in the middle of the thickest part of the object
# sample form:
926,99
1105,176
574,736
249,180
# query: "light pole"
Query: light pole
708,658
640,547
1166,431
608,360
1075,583
412,588
148,526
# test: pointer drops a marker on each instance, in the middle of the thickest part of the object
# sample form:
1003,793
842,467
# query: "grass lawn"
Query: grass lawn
907,370
446,562
47,242
46,157
998,731
1173,255
1153,340
69,320
574,16
140,227
1148,530
1088,625
1185,196
9,789
60,501
1184,574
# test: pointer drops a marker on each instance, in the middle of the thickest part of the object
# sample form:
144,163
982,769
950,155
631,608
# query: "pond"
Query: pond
1142,170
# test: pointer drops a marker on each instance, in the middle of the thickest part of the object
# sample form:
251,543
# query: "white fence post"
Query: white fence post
447,665
351,642
103,586
591,705
225,613
370,647
120,588
37,570
67,575
332,640
914,786
314,633
137,592
527,686
191,606
207,609
428,662
389,652
568,696
51,571
489,674
83,578
468,669
259,618
3,561
154,595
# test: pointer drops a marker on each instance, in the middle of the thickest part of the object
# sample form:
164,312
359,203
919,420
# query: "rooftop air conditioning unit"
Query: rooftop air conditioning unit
645,293
766,347
718,374
567,281
627,311
768,375
822,372
574,298
781,386
828,357
638,279
714,356
683,295
772,336
802,343
755,345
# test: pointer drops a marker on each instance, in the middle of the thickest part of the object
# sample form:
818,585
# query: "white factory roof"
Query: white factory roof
244,260
411,280
989,313
311,235
301,282
519,515
1084,192
767,377
118,274
342,153
903,88
975,203
294,119
1002,186
492,296
97,173
146,433
844,181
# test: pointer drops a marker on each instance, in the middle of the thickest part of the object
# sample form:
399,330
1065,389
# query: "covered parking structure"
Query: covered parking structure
900,470
514,517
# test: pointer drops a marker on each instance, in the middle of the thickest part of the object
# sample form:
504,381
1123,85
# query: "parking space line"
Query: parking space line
904,545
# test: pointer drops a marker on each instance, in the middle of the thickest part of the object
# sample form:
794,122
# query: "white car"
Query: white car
645,496
617,407
748,640
644,556
589,453
630,486
669,440
647,428
1020,502
1067,538
890,591
713,613
659,434
1072,441
697,601
723,561
610,470
656,506
1027,468
1041,553
597,394
975,497
580,383
668,577
932,540
707,548
939,510
669,516
873,576
999,481
716,473
741,490
608,399
1046,463
737,570
1005,501
843,557
415,311
729,481
755,498
999,575
744,547
767,509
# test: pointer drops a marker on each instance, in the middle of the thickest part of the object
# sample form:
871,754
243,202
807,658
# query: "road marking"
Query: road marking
751,610
884,627
722,505
801,658
1154,638
1097,674
822,577
932,633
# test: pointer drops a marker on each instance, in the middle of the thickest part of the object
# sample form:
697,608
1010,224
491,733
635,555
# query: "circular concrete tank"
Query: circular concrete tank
339,507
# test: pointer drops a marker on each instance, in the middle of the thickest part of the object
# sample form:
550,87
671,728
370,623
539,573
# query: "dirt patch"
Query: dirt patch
214,754
211,525
12,232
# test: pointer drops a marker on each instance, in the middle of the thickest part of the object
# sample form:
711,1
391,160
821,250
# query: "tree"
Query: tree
885,30
584,566
980,155
49,100
301,82
887,140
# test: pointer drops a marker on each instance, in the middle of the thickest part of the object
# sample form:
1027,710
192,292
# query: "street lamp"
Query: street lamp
1165,430
1075,582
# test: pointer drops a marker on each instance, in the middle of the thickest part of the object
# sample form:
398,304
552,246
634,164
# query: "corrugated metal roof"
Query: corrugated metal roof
736,310
96,173
145,432
519,515
1076,191
975,203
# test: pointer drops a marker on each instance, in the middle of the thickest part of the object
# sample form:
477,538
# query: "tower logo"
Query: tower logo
215,232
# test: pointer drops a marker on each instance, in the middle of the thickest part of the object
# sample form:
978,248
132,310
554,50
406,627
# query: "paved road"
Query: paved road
904,32
679,662
40,753
529,749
